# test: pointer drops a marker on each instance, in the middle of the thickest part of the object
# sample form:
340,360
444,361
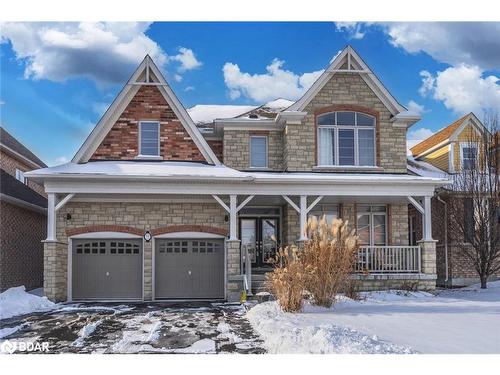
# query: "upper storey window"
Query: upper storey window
258,152
149,140
346,139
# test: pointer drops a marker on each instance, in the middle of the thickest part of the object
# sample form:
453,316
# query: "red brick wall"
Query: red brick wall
9,165
121,143
217,147
21,249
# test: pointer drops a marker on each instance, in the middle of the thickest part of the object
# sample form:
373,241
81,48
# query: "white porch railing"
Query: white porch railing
388,259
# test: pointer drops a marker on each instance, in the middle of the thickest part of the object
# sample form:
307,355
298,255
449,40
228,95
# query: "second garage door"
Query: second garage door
189,268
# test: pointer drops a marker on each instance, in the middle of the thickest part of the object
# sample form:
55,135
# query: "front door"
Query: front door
260,237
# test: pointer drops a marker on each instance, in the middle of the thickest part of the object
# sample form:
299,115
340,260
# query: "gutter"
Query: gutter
445,235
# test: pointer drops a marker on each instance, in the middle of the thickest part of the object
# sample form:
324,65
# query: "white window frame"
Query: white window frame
20,176
140,145
356,129
267,151
468,145
371,214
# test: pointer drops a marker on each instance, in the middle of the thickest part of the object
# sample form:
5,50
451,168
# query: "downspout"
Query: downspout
445,236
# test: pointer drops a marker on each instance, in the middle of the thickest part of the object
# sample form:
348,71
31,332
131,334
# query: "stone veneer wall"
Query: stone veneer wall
345,89
236,148
142,216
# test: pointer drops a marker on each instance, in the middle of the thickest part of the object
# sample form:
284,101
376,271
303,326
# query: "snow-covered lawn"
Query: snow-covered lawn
455,321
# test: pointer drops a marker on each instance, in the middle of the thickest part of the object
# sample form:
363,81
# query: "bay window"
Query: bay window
346,139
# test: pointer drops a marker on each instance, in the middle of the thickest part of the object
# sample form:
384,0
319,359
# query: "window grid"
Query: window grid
149,138
254,163
333,117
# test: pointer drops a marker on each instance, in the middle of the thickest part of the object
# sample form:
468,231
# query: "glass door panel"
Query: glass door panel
269,231
249,238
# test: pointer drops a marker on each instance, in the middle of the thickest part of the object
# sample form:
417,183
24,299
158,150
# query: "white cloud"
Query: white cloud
416,108
189,88
472,43
61,160
463,89
354,30
187,60
177,77
104,52
414,137
2,102
276,82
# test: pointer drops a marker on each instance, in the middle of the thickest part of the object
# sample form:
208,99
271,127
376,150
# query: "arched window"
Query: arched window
346,139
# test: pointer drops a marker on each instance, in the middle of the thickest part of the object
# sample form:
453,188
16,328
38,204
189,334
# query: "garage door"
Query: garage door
191,268
107,269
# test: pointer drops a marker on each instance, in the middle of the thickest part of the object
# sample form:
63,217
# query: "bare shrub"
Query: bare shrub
351,290
329,255
287,279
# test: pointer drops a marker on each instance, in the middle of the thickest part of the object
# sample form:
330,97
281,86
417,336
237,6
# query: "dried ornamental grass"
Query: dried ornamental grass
287,280
329,255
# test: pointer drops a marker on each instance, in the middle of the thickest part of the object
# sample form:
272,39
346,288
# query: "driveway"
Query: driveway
139,328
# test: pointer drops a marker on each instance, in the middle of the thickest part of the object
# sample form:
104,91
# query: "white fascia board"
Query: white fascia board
432,149
290,116
472,120
416,186
109,118
182,114
125,97
366,74
405,119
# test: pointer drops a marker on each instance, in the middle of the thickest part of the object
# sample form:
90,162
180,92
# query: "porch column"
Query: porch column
51,217
233,217
303,217
427,235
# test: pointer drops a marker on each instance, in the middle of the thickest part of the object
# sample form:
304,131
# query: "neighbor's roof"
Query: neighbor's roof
439,137
14,188
8,141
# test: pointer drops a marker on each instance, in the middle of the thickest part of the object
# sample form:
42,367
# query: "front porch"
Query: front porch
251,214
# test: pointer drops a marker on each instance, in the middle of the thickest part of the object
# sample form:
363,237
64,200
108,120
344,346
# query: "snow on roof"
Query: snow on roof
199,171
140,169
207,113
424,169
279,103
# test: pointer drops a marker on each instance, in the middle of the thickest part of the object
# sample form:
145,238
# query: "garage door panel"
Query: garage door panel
107,269
191,268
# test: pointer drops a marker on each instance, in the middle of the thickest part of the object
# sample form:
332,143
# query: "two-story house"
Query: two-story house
446,154
23,216
154,207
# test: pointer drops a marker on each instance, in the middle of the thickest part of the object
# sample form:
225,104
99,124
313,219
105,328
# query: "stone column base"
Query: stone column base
428,256
234,282
55,256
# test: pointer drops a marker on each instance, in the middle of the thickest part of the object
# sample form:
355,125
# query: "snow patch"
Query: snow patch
203,346
207,113
16,301
85,332
4,332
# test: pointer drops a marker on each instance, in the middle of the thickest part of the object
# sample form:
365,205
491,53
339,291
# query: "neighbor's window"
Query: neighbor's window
258,152
372,225
149,138
330,211
468,155
346,138
20,176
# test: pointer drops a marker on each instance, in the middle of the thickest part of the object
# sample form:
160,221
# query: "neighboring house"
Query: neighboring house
154,206
23,217
442,155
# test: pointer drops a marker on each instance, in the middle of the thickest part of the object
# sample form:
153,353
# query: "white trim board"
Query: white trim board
355,66
149,69
190,235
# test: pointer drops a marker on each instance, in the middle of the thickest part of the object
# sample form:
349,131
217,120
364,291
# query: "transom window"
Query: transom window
149,139
258,151
468,156
346,138
372,225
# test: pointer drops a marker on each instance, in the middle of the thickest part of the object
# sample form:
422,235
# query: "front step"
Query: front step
258,283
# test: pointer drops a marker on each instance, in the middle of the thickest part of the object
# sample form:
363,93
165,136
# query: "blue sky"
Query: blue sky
57,79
